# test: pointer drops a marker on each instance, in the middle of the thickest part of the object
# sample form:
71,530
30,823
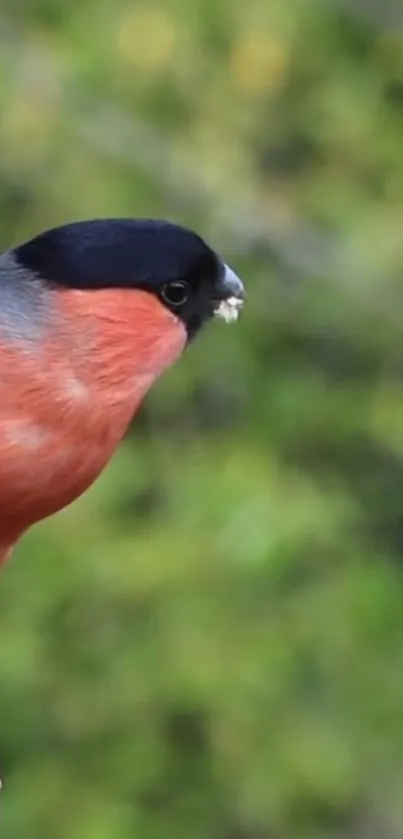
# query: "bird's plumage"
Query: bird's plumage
90,316
127,253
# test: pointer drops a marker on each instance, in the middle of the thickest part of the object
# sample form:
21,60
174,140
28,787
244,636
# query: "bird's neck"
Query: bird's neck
66,403
118,342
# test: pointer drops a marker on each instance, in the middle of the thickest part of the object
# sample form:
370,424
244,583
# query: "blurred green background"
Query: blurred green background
209,644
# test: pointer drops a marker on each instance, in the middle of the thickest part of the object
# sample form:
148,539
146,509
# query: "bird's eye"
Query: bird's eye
175,293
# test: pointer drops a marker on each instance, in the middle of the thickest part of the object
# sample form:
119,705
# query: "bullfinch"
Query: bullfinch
91,313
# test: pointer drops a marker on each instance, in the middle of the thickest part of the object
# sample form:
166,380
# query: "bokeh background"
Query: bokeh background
209,644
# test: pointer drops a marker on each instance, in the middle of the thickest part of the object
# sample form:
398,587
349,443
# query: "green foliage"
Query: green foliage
209,644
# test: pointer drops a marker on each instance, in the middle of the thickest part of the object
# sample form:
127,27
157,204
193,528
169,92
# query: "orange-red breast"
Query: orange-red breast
91,314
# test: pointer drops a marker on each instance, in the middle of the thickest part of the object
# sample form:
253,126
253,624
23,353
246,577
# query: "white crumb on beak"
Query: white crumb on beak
229,309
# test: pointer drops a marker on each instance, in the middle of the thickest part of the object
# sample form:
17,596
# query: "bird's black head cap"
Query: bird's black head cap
160,257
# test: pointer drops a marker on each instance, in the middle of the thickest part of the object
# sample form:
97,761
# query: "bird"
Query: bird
91,314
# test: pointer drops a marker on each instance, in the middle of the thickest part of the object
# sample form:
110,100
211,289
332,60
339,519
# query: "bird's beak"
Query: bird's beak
230,296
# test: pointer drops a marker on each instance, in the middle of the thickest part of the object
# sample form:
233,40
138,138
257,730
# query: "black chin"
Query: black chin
195,316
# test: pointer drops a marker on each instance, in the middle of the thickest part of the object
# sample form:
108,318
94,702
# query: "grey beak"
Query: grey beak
230,296
230,285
